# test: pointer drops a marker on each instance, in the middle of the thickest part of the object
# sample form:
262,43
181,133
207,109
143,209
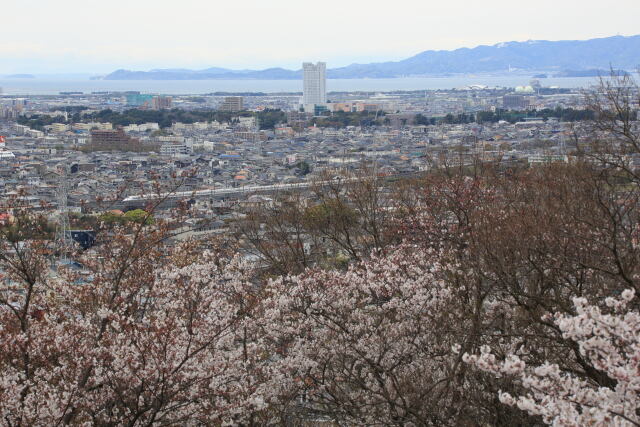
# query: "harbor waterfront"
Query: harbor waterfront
50,86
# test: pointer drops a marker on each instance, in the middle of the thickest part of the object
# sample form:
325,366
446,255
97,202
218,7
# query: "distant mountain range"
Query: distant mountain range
207,74
568,57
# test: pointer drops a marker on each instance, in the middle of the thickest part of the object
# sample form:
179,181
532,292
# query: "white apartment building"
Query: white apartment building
315,83
175,149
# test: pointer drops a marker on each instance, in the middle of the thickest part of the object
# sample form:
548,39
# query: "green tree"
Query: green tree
139,216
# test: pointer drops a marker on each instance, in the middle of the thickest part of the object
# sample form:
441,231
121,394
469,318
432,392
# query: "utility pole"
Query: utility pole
563,146
63,233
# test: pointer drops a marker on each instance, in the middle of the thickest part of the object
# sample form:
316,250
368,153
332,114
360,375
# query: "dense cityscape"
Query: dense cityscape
238,142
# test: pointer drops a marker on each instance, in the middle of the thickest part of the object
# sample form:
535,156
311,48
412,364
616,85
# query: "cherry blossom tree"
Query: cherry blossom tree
610,340
536,241
153,336
374,345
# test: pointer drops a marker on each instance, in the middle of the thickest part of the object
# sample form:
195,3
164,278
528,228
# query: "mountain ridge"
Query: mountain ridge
621,52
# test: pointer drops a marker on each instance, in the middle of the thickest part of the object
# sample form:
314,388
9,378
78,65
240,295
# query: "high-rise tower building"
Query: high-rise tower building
315,83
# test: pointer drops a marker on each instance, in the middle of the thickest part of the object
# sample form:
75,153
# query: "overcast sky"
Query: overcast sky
98,36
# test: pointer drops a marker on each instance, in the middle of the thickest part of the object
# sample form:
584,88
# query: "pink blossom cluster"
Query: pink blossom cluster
373,343
610,342
172,347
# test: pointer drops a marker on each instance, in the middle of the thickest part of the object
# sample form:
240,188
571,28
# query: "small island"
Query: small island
20,76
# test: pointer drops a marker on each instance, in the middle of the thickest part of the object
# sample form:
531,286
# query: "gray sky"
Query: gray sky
98,36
